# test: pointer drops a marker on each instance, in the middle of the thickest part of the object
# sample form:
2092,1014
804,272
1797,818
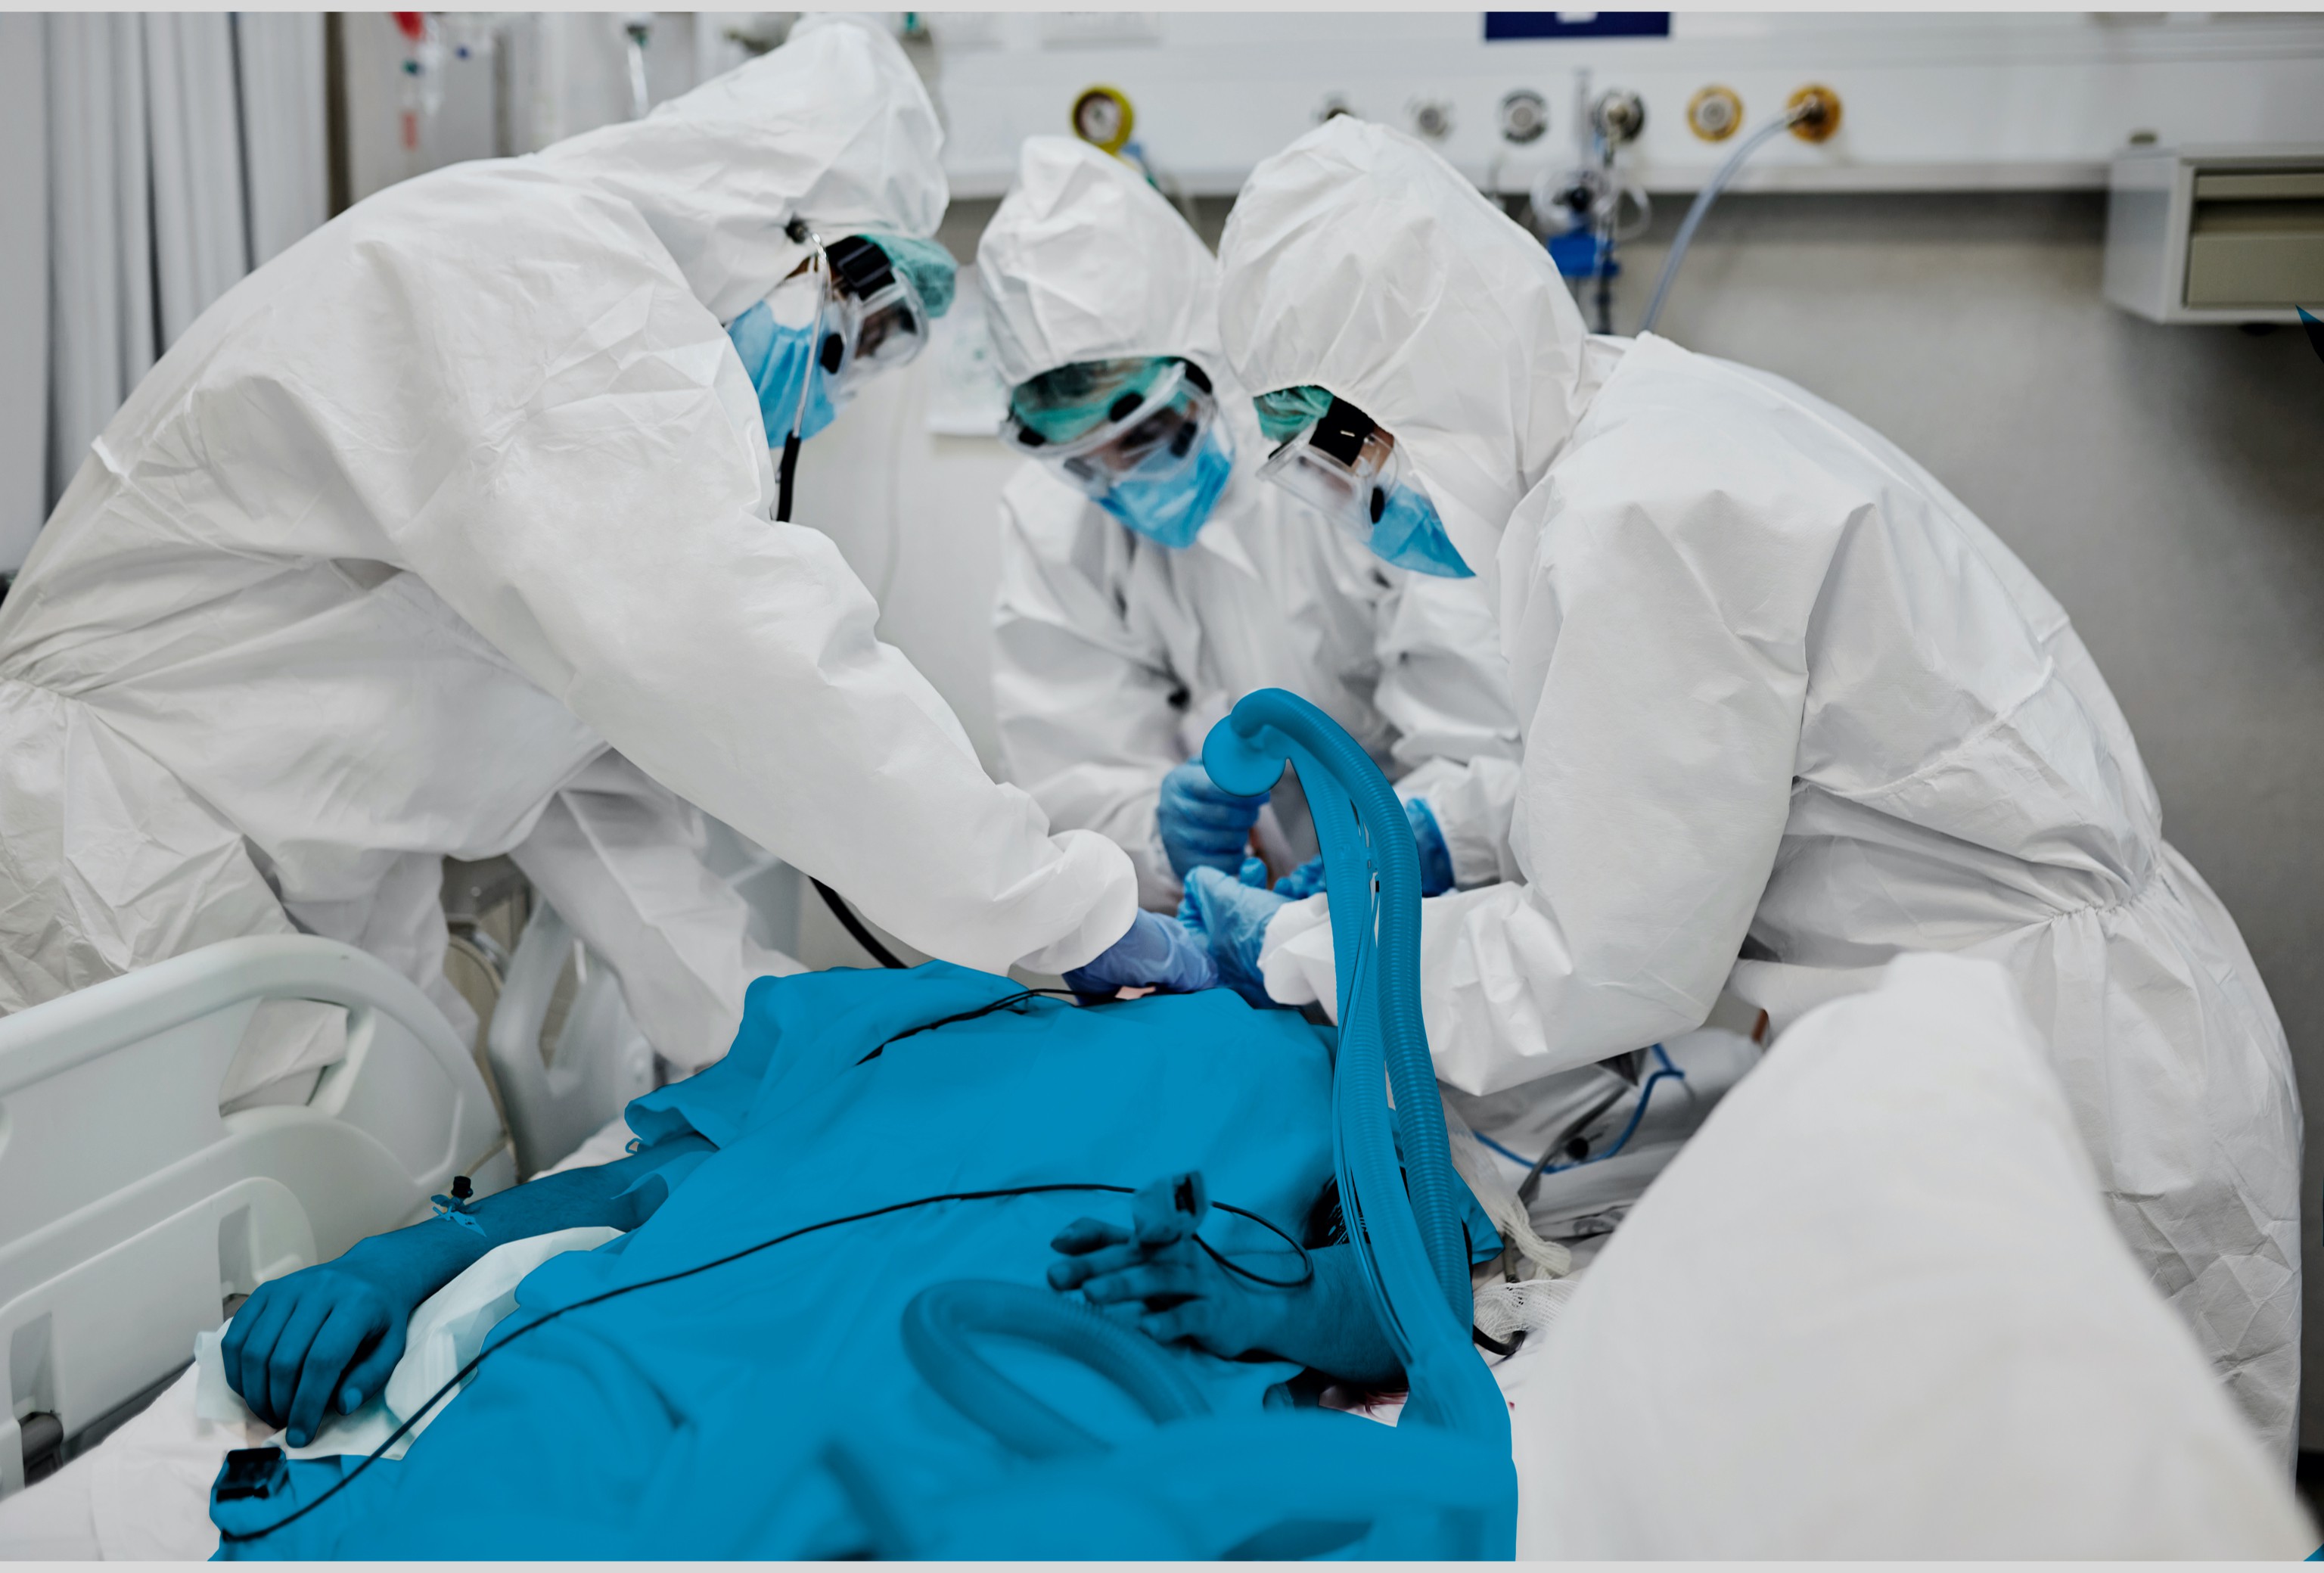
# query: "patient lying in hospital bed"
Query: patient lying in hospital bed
1873,1310
689,1419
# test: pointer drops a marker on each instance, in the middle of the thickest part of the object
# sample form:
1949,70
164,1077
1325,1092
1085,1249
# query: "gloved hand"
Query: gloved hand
1202,824
1234,915
1157,952
329,1336
1436,859
1155,1277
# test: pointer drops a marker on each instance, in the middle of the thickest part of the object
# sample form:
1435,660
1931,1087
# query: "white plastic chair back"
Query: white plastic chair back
131,1208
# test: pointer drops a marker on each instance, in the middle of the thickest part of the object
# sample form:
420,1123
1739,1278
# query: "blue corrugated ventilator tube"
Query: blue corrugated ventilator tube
1290,1482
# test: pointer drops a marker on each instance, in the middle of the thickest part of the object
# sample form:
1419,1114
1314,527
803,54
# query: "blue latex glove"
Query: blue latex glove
1202,824
1157,952
1233,914
1153,1276
1436,859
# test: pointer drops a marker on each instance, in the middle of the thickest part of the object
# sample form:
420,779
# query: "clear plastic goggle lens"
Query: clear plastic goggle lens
1153,444
863,336
1352,495
1127,441
893,327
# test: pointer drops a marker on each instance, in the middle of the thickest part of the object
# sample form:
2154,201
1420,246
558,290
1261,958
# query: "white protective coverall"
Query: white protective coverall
1115,655
423,519
1783,697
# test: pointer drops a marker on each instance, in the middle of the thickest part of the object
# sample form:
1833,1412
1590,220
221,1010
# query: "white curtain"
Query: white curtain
181,149
24,285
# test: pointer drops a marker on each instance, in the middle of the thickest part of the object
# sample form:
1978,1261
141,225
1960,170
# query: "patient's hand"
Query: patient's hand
329,1334
1172,1292
1177,1293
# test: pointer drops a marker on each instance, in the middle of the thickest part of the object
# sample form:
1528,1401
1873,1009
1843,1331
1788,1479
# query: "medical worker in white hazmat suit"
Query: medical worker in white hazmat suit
448,533
1789,710
1149,578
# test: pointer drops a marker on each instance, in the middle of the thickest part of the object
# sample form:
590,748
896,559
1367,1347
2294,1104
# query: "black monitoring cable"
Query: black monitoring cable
461,1375
1306,1262
854,926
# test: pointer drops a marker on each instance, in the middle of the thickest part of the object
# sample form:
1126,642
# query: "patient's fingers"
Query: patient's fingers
1080,1269
289,1356
1189,1321
1087,1234
247,1369
1148,1279
237,1331
335,1343
369,1374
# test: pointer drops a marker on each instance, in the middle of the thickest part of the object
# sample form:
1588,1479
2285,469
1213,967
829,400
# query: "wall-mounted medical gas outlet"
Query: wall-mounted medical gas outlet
1822,113
1103,118
1525,116
1431,119
2215,233
1618,115
1714,112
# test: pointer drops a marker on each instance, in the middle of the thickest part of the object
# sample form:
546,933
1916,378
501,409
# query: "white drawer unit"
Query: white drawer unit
2217,234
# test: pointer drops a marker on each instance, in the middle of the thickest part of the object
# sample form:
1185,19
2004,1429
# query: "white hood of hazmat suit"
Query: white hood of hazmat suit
1786,700
448,533
1114,655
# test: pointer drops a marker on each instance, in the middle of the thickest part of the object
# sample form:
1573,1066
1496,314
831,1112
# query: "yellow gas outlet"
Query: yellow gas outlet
1103,118
1714,113
1823,117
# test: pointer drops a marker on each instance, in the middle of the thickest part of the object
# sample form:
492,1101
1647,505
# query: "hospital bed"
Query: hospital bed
133,1214
1987,1376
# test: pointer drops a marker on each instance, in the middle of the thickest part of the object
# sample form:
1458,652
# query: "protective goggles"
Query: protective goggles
1161,427
1342,464
1345,468
872,318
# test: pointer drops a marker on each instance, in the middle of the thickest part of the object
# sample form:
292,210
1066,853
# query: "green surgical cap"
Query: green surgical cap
1283,413
928,267
1070,400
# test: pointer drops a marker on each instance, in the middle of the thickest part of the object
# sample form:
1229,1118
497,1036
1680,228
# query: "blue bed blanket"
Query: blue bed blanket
690,1419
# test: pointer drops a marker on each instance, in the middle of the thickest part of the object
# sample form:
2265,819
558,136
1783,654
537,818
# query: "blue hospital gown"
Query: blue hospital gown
689,1420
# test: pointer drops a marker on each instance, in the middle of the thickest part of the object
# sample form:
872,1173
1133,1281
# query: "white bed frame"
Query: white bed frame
597,1064
130,1210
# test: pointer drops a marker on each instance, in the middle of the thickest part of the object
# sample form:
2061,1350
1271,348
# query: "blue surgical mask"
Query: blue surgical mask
1142,439
1409,534
1167,500
776,355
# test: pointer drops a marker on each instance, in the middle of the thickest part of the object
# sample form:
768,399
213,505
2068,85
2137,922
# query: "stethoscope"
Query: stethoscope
801,235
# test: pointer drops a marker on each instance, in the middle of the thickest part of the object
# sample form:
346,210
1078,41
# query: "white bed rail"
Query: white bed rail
132,1210
559,1095
599,1061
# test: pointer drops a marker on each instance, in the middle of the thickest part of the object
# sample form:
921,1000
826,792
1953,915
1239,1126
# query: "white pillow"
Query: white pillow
1875,1309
